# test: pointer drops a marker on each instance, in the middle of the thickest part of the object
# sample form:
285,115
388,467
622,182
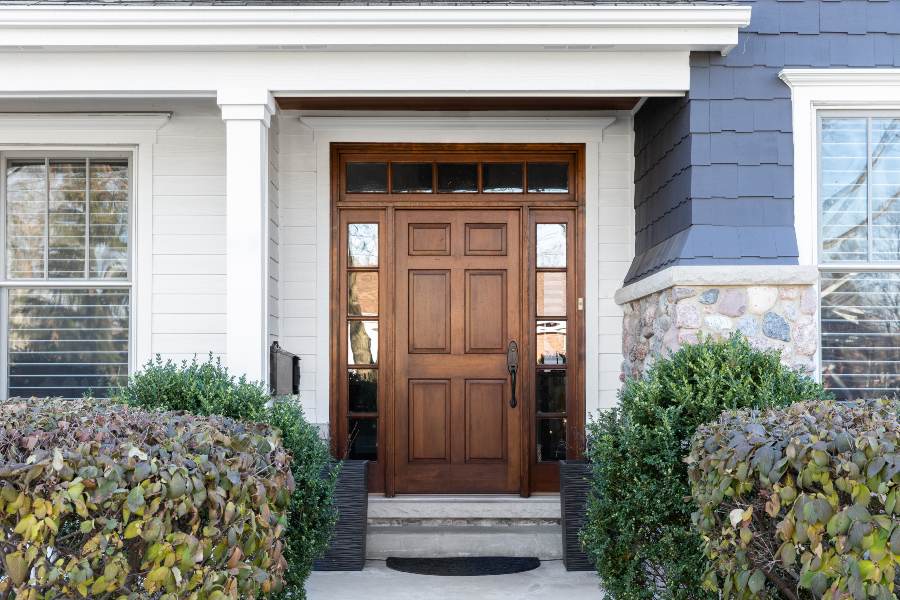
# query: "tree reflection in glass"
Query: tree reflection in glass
362,244
109,220
551,245
26,218
843,183
860,317
67,342
362,342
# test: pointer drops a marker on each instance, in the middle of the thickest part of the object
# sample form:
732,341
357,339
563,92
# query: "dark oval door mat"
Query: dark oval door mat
464,566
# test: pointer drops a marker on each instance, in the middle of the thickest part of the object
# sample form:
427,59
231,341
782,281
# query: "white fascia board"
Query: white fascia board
684,27
210,74
798,78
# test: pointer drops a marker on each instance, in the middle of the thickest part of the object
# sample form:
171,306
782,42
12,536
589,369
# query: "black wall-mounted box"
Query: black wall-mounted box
284,371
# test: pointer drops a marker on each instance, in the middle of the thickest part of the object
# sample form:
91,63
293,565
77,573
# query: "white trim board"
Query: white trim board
247,77
326,28
815,90
131,132
455,129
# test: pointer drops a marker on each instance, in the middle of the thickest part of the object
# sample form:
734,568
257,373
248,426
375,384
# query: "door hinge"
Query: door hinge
581,304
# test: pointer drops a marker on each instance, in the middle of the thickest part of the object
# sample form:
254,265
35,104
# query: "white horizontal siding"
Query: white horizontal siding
274,267
189,233
297,254
615,239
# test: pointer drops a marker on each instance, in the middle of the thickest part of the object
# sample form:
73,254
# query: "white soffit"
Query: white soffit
316,28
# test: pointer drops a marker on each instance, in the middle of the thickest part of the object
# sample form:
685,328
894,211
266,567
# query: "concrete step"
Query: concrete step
475,506
422,541
476,525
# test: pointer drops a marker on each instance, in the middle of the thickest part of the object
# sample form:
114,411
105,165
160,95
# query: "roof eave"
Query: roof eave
323,28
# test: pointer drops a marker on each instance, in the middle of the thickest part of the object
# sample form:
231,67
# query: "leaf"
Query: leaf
137,452
156,578
177,486
736,516
16,567
58,463
135,499
133,530
75,490
235,558
757,581
875,466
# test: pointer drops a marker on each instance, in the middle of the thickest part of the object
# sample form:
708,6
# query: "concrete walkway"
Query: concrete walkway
377,582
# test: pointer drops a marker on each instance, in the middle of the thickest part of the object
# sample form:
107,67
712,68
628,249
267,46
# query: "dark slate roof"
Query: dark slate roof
349,2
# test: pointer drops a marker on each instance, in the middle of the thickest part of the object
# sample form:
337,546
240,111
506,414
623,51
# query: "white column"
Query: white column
247,115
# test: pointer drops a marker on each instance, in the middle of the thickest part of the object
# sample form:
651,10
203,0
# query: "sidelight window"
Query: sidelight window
65,288
362,340
551,302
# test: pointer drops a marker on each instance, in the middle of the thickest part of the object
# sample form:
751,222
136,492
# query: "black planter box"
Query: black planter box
347,549
574,486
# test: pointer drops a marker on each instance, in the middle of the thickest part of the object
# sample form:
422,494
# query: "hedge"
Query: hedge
638,527
801,502
206,388
102,500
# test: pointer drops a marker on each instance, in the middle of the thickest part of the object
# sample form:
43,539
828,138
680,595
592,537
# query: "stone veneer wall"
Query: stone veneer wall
781,317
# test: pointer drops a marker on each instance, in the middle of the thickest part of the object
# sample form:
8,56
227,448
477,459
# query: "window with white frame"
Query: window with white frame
859,253
65,278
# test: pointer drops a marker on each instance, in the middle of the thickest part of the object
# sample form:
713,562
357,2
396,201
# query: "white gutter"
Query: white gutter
545,27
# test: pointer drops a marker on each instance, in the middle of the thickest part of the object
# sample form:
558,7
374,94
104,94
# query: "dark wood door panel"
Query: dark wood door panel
486,307
459,311
486,419
429,311
486,239
429,420
429,239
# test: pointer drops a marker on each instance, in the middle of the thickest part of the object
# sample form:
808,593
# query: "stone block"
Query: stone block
806,340
775,327
687,317
687,336
809,301
709,296
748,325
718,324
680,293
761,298
733,303
789,293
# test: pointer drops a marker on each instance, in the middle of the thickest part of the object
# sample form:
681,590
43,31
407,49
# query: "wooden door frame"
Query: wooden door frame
382,474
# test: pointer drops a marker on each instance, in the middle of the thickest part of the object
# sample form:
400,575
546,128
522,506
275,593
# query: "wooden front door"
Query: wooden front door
457,309
442,254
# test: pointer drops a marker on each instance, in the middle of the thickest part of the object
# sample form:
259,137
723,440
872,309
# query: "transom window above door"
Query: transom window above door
459,174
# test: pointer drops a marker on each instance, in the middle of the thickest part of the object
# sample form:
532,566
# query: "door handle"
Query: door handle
512,366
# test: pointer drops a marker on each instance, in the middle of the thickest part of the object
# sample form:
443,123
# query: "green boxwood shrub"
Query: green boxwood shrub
208,389
202,388
101,500
801,502
638,527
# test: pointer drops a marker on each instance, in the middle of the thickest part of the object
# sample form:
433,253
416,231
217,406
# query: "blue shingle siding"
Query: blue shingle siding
714,170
